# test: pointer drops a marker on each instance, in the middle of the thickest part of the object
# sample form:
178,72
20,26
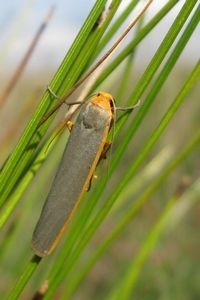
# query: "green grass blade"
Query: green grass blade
128,283
59,273
115,26
30,268
20,157
133,44
147,77
148,174
61,267
36,164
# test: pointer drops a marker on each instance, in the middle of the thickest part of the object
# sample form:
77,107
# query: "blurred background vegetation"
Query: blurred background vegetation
171,270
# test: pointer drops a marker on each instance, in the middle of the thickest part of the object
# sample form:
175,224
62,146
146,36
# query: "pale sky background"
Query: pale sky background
21,18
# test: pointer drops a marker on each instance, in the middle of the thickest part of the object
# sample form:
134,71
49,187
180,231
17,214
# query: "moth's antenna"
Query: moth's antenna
129,107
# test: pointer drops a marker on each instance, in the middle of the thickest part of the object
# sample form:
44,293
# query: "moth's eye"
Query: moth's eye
98,94
112,103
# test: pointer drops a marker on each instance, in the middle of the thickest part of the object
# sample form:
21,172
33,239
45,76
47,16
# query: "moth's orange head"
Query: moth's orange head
104,100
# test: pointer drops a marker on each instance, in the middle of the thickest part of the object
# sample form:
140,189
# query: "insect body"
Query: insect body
85,147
